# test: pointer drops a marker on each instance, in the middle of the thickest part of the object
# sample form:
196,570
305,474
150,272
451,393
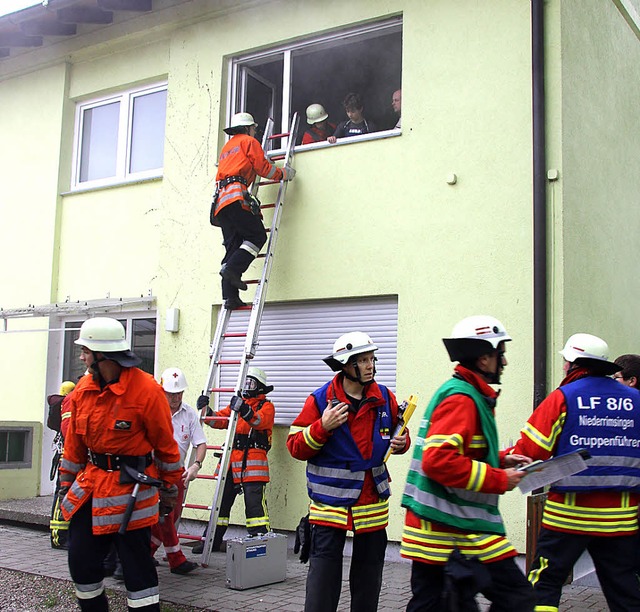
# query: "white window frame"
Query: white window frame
126,99
236,64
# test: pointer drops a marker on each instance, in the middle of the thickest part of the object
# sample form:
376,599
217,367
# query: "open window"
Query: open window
365,59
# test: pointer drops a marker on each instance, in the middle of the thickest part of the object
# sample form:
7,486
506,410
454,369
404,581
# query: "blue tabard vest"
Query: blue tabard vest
603,416
335,475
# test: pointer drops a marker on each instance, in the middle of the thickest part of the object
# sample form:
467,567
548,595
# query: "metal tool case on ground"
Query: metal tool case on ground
256,561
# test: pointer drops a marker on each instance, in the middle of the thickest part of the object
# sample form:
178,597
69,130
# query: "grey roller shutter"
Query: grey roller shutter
295,336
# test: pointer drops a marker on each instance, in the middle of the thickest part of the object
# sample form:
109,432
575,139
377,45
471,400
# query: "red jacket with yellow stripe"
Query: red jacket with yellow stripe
242,156
129,417
601,513
256,467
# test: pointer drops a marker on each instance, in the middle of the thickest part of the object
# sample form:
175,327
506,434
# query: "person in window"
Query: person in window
249,468
356,124
396,104
235,210
343,433
321,128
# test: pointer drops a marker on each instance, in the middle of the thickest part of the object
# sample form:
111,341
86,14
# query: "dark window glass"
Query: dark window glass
143,342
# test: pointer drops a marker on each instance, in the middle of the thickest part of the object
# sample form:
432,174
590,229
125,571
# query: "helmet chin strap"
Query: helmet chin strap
357,378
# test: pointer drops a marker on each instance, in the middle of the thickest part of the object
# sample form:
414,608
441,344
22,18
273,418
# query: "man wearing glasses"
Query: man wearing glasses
629,373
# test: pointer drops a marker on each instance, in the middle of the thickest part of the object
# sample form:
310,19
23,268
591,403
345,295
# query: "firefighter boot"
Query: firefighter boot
324,583
233,269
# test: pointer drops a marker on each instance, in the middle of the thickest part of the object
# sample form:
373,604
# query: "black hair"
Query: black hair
629,365
353,101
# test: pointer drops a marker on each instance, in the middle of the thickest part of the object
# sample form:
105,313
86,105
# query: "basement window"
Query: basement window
120,138
15,447
365,59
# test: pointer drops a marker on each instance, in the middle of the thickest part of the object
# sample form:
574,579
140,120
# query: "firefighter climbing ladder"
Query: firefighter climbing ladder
212,386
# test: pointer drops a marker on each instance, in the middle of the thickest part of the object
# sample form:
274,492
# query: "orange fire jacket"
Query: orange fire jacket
257,466
129,417
242,156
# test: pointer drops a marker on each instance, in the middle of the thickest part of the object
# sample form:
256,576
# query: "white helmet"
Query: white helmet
587,346
316,113
240,120
255,383
173,380
347,346
475,336
103,334
258,374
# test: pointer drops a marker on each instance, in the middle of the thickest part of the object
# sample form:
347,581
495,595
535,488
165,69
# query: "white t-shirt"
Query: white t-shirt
187,429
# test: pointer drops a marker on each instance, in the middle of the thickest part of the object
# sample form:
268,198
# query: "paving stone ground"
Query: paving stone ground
26,549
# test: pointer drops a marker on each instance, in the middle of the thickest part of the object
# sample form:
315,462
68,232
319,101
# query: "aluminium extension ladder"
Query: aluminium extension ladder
213,384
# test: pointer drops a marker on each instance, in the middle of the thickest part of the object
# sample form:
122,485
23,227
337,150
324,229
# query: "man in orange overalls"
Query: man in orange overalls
241,160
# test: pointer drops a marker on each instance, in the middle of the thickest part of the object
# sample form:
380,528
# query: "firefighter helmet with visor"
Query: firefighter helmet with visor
255,383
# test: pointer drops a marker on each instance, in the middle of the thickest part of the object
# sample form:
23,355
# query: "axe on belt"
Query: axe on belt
127,475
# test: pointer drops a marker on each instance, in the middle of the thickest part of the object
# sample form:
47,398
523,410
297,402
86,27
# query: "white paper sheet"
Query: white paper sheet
542,473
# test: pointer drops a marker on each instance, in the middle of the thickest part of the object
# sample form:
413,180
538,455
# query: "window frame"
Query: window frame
240,61
27,461
73,324
126,99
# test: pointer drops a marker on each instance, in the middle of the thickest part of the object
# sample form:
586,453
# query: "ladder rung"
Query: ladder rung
229,362
274,136
261,256
207,477
278,157
223,390
235,335
268,206
255,281
188,536
265,183
214,447
197,506
211,419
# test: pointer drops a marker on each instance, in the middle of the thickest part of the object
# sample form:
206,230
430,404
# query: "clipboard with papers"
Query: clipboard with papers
543,473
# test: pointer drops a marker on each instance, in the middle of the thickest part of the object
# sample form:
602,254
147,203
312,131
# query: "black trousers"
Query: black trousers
509,590
255,507
614,558
324,580
239,227
87,552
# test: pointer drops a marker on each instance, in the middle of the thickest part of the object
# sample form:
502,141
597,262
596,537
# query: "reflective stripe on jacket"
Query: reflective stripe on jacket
602,416
336,475
256,465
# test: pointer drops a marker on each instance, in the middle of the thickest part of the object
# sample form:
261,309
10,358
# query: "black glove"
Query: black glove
168,499
303,539
203,401
237,404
